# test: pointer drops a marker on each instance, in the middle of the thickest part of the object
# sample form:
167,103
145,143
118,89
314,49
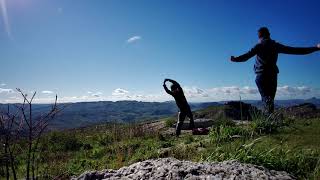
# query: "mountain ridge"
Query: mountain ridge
81,114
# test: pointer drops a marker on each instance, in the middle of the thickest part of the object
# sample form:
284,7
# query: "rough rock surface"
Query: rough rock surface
199,123
302,111
170,168
239,110
234,110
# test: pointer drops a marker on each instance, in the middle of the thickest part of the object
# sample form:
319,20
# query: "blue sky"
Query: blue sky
113,50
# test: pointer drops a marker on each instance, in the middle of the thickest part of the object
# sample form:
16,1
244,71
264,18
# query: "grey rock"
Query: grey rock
170,168
199,123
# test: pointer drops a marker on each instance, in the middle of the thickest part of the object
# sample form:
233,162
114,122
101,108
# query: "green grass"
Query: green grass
294,147
169,121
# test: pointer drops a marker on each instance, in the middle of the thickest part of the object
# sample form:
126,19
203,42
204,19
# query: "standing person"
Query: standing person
265,67
181,101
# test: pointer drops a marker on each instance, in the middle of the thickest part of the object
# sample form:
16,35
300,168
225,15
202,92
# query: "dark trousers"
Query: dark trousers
181,117
267,85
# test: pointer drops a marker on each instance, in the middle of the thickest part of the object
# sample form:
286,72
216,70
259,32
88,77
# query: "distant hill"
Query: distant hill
88,113
287,103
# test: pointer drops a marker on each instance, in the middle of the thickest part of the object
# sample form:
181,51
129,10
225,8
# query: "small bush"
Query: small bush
105,139
227,133
62,142
189,139
169,122
262,124
224,122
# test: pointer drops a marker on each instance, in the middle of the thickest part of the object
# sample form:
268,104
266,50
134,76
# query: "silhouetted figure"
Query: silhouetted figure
181,101
265,67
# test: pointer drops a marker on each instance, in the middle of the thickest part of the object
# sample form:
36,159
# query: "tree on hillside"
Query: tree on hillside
20,126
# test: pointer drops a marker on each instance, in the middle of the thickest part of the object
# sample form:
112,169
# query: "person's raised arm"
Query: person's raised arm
245,56
175,83
165,87
297,50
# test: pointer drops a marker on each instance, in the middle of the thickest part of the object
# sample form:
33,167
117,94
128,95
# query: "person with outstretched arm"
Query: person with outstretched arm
181,101
266,52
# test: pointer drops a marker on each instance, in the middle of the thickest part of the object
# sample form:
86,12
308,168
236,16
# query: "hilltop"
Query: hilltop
288,142
262,148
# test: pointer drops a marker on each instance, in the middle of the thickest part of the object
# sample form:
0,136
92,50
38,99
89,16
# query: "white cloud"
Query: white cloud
97,94
120,92
3,84
133,39
47,92
234,90
2,90
194,92
249,90
225,90
294,91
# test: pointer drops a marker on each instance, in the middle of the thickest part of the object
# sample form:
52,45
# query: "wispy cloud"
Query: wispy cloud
233,90
3,84
134,39
47,92
249,90
2,90
5,17
120,92
193,94
94,94
294,91
246,92
97,94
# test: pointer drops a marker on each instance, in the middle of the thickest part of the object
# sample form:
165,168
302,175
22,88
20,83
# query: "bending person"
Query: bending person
265,67
181,101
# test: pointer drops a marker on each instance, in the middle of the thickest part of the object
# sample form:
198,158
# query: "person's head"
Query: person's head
263,33
174,88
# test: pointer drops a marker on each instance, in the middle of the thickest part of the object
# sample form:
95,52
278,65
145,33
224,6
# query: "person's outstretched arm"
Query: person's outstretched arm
165,87
245,56
297,50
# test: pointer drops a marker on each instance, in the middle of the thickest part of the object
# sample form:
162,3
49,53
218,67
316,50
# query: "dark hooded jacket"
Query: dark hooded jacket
267,55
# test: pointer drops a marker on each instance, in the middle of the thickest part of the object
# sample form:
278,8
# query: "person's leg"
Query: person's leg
271,82
260,85
181,118
267,86
190,116
274,85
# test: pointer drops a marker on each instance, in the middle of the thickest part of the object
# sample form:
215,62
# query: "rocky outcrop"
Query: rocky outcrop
239,110
198,123
302,111
234,110
170,168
